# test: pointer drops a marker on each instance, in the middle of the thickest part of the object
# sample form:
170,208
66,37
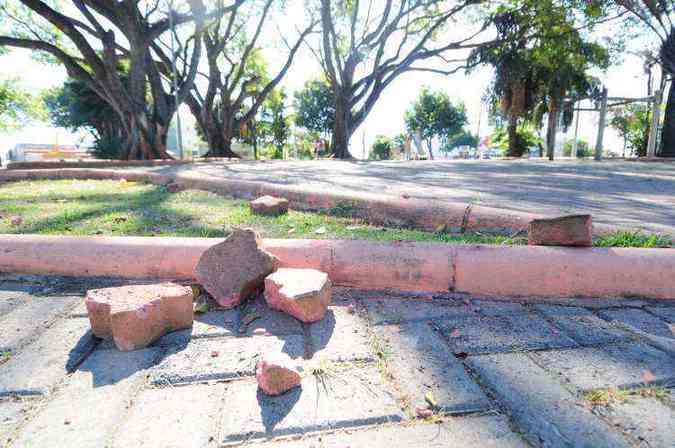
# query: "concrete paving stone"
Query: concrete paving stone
648,420
343,399
496,334
339,336
13,412
498,308
93,402
393,310
175,417
39,366
664,312
619,365
546,413
213,324
459,432
640,320
220,359
582,325
264,320
421,363
28,320
12,295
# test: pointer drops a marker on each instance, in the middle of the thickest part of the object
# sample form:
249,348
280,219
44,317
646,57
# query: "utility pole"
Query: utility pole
179,131
601,125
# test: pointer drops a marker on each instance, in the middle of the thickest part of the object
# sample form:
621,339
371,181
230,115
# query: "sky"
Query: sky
625,79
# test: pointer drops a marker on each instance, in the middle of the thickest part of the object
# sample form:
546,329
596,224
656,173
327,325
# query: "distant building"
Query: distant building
36,152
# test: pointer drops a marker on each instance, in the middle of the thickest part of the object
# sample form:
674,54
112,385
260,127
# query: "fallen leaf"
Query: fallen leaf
16,220
455,333
214,354
405,196
119,219
201,305
321,230
250,318
648,377
429,398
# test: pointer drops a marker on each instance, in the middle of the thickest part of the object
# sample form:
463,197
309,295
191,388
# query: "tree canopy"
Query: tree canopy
434,115
17,105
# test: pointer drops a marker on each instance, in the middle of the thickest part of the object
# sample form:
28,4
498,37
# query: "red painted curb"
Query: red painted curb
429,215
410,266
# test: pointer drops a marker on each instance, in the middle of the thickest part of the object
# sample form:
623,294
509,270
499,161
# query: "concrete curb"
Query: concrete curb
422,214
427,267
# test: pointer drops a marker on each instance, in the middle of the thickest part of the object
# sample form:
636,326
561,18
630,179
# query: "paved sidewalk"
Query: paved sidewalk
631,194
502,373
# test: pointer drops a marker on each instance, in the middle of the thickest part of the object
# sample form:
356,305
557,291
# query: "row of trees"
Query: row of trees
142,60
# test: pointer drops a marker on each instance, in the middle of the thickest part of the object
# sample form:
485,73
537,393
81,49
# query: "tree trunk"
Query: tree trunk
668,131
430,148
219,139
341,130
552,130
515,149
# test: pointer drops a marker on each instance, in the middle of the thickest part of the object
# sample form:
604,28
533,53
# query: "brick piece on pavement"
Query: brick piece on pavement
572,230
420,363
276,373
303,293
341,399
615,365
545,412
269,206
232,271
137,315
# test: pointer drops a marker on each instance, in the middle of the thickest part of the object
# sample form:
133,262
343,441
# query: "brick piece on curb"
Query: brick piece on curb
137,315
342,399
269,206
303,293
235,269
572,230
421,363
276,374
545,411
